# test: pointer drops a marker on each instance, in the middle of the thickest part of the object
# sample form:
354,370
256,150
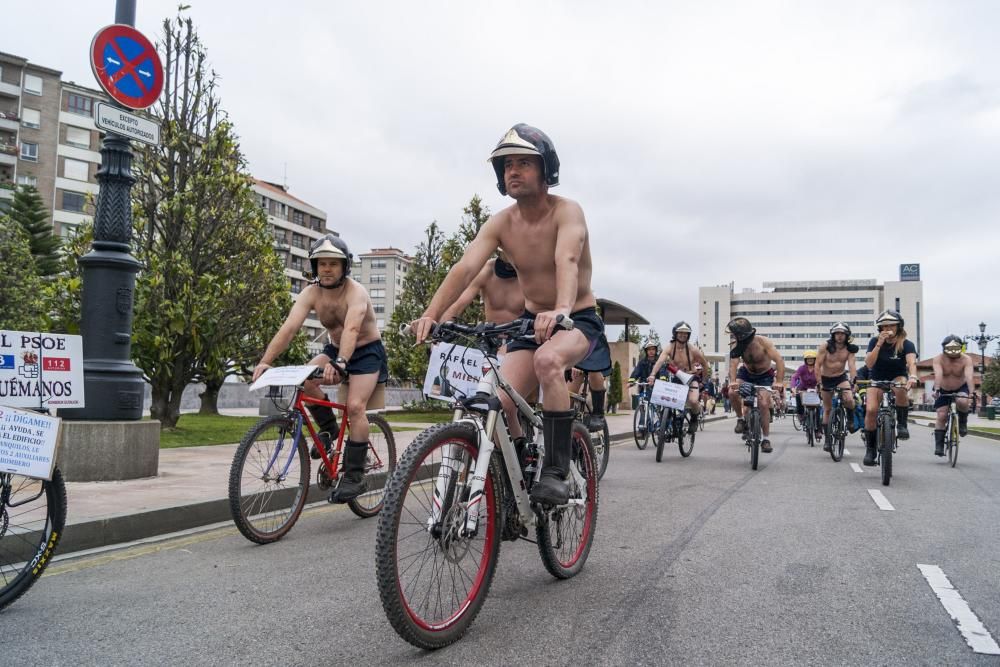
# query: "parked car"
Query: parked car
995,402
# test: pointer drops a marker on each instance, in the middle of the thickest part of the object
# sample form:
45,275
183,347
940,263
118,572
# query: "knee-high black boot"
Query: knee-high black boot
326,420
596,421
353,481
552,488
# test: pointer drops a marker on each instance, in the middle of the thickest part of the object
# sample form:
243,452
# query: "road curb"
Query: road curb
929,423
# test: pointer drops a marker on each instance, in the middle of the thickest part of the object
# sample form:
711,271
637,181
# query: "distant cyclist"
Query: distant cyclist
952,373
686,357
644,367
756,353
805,379
836,368
892,358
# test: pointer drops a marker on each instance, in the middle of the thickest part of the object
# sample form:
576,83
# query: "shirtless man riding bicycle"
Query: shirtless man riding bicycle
686,357
953,373
546,240
836,369
757,353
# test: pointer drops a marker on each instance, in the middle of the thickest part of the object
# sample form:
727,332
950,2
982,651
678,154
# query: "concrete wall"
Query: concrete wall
237,395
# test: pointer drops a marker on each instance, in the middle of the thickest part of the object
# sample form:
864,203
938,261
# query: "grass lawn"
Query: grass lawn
194,430
987,429
419,417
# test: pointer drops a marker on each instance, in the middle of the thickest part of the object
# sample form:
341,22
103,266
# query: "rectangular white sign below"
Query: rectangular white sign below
283,376
453,372
40,369
28,443
127,124
669,394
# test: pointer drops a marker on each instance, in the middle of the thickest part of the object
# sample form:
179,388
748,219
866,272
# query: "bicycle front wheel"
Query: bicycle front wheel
810,427
795,421
953,444
838,428
660,436
269,480
31,524
755,436
432,575
602,448
885,435
566,533
640,425
379,465
686,447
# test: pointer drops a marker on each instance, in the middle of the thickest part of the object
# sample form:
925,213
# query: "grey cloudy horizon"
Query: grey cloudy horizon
708,143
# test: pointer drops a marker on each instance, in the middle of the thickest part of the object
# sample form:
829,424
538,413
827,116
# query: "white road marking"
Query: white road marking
976,635
847,452
880,500
856,468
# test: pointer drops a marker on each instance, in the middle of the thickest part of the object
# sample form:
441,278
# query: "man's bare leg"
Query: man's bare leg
326,419
519,371
359,390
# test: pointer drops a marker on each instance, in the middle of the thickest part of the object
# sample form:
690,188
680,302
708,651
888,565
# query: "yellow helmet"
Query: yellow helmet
809,354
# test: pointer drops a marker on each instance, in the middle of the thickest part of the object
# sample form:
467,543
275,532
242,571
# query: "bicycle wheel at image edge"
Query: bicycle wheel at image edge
640,426
379,465
269,480
432,579
566,533
602,448
31,525
754,426
885,452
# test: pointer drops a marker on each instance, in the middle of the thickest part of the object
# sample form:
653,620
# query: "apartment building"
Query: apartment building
295,224
382,271
797,315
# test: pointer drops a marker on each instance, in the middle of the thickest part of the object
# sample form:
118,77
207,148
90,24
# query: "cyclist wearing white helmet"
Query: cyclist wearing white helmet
355,351
837,368
890,357
686,357
546,238
953,372
644,367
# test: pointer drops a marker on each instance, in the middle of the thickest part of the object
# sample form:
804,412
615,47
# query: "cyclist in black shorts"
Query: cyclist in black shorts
890,356
953,373
686,357
836,367
757,353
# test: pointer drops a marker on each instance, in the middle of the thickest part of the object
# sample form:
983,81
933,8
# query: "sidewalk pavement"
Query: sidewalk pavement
191,491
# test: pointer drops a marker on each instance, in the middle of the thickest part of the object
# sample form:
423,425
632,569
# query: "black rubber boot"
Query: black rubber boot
871,450
827,437
326,420
552,488
741,425
902,426
939,442
692,422
353,481
596,420
963,424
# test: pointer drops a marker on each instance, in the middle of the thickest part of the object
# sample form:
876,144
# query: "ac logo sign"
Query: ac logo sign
909,272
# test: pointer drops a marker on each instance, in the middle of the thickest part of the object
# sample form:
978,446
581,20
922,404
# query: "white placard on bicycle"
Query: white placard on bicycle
28,443
41,369
811,398
669,394
463,370
283,376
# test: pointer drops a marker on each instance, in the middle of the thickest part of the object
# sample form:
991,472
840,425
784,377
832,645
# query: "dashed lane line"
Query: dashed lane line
975,633
856,468
880,500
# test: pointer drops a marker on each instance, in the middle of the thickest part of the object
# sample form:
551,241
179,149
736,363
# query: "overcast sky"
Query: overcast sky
707,142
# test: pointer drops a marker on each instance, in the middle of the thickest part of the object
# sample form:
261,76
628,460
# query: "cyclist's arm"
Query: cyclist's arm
820,360
772,351
469,295
733,366
969,377
465,271
699,358
938,371
357,308
660,361
296,316
852,368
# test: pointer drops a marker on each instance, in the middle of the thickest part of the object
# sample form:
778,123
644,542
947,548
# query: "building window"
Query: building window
29,152
31,118
377,278
296,262
378,263
379,307
263,202
32,84
297,217
77,136
31,181
74,201
79,104
78,170
378,293
298,241
280,210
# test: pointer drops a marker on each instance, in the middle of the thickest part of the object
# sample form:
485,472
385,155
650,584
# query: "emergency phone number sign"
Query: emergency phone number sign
40,369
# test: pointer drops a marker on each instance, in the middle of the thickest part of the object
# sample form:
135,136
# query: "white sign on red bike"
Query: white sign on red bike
283,376
28,443
669,394
453,371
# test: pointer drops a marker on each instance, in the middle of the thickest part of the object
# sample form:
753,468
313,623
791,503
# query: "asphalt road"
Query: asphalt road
696,561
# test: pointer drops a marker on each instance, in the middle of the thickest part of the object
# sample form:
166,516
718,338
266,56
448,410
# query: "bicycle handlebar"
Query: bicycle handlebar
520,328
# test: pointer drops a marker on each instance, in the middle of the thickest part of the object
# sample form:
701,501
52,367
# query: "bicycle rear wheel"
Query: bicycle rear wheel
810,427
601,440
433,578
31,523
685,448
953,444
838,428
796,422
379,465
660,435
269,480
885,435
640,425
566,533
755,437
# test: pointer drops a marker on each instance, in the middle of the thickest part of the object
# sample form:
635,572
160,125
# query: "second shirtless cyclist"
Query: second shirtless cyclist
545,238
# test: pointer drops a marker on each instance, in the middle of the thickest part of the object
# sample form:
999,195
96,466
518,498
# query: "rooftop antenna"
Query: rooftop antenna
285,181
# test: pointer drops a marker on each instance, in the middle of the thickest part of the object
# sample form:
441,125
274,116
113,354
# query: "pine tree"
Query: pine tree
21,296
29,211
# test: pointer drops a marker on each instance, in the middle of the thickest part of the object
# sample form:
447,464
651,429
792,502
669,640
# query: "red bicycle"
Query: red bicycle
269,479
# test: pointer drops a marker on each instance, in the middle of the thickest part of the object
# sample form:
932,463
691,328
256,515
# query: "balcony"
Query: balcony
7,189
10,89
8,154
9,120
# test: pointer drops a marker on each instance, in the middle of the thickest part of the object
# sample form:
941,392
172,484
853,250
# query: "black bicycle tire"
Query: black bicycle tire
686,451
546,549
640,412
955,438
50,534
236,502
885,450
755,437
838,428
660,436
602,465
796,422
390,590
390,443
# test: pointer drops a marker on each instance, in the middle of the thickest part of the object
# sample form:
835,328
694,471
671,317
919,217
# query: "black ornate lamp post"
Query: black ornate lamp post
982,340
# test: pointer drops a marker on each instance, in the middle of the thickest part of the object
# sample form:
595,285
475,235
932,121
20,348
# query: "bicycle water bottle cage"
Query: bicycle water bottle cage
746,390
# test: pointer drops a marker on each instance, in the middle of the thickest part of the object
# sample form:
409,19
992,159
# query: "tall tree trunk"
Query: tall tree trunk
210,397
158,402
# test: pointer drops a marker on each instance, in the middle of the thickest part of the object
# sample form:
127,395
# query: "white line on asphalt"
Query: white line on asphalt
856,468
880,500
972,629
847,452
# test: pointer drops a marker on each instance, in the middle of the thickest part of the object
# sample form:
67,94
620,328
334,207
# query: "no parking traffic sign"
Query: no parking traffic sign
127,66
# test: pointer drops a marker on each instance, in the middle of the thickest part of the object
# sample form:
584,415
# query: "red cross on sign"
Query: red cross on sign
127,66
